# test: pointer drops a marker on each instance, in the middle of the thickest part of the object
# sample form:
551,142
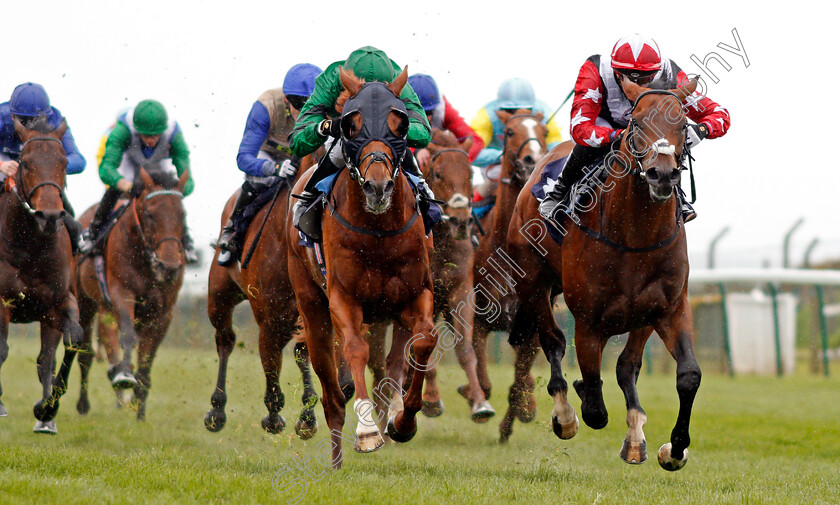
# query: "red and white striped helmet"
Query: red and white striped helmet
636,52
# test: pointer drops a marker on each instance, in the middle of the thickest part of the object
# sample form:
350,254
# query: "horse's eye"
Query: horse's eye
509,132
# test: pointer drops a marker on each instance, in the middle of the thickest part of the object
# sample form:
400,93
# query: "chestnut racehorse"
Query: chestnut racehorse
144,269
622,268
377,260
265,284
36,262
523,146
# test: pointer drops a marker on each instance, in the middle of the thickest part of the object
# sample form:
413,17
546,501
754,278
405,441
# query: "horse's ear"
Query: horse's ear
631,90
539,115
23,132
466,144
146,178
503,116
59,132
398,84
183,180
687,89
349,80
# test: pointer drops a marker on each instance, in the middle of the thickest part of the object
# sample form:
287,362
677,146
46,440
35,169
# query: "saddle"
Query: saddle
243,221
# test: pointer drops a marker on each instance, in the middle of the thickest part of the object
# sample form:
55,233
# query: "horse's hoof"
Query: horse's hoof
526,416
306,429
3,412
565,431
669,463
44,411
273,424
634,453
482,412
215,420
505,430
397,436
123,380
432,409
46,427
83,406
369,442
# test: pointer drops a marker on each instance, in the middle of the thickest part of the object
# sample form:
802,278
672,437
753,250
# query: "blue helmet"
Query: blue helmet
426,89
516,93
300,79
29,99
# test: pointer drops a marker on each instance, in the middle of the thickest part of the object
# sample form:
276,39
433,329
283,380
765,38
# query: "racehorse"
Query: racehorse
523,146
450,176
265,284
143,269
622,268
36,262
377,260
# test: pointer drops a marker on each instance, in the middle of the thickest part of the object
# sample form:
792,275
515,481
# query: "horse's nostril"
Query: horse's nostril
529,160
652,174
389,186
675,174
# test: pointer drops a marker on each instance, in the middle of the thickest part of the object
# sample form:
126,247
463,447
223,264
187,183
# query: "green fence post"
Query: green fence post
823,328
725,317
776,330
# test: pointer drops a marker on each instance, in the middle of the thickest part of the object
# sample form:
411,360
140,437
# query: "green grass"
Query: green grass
755,440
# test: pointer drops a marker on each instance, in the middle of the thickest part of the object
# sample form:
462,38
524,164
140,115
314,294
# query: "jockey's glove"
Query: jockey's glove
330,127
269,168
287,169
695,134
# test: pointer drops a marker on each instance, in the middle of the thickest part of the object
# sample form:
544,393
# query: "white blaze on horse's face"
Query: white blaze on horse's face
530,125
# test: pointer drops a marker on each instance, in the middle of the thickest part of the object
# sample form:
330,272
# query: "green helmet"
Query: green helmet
150,118
370,64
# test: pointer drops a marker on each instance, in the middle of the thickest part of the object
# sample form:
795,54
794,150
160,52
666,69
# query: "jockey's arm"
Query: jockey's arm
586,107
702,109
118,141
75,161
419,131
453,122
181,159
305,138
483,127
257,129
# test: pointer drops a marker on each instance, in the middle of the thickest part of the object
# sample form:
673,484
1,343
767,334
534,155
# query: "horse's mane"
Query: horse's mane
165,179
40,125
443,138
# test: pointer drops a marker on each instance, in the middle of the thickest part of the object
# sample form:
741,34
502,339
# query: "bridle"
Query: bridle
24,195
519,175
458,200
149,252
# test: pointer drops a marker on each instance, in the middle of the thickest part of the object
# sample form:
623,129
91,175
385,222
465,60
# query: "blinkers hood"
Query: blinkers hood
375,101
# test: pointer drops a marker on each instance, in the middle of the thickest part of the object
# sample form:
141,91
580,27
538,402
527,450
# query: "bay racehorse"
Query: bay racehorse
36,262
264,282
622,268
449,174
494,298
144,269
377,259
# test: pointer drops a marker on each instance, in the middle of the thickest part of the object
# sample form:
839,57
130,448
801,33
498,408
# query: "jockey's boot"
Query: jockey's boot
572,172
306,214
687,211
74,229
410,166
553,199
109,199
227,245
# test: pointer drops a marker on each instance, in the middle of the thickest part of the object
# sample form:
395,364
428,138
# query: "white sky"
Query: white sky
208,61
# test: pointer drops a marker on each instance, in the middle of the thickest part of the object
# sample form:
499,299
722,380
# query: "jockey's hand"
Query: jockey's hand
330,127
424,157
125,185
695,134
287,169
9,168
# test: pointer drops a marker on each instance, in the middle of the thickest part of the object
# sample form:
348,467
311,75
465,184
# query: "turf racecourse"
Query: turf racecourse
755,440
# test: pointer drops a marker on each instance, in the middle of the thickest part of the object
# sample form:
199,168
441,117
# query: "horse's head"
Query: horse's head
374,125
450,175
162,222
524,143
41,172
655,137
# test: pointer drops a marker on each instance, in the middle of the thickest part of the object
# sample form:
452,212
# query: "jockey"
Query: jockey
142,137
600,110
442,115
29,104
264,153
317,122
513,94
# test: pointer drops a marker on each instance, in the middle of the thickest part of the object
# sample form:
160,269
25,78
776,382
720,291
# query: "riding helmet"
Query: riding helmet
370,64
426,89
300,79
636,52
150,118
516,93
29,99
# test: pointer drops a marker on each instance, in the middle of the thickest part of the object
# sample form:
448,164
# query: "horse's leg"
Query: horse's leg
376,364
223,295
521,402
4,349
396,371
345,376
634,449
432,402
87,312
306,426
47,407
347,319
417,317
481,411
677,334
67,317
123,303
155,323
479,343
273,338
590,347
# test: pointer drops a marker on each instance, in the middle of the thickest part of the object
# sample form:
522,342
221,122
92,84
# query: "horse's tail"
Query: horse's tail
523,328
